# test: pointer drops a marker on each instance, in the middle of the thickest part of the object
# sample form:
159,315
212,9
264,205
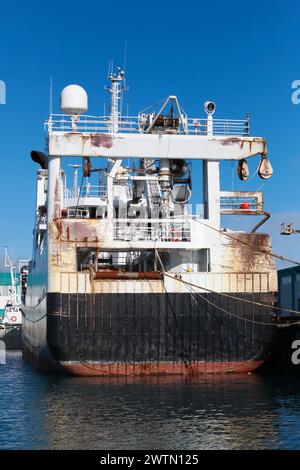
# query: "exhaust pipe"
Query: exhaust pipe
40,158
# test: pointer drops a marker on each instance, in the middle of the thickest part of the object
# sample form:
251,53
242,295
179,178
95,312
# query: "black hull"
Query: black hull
12,336
136,334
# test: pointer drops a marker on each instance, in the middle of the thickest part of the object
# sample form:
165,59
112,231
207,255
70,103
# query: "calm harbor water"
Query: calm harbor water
232,412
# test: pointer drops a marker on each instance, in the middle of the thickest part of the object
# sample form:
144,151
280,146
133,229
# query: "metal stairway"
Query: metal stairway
153,189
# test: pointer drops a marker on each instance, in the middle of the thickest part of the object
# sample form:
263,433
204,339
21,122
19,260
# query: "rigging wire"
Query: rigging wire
194,294
228,327
252,302
251,178
261,250
184,352
152,105
79,196
221,308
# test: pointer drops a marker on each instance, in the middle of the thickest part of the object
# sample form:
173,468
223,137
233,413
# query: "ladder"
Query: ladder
153,189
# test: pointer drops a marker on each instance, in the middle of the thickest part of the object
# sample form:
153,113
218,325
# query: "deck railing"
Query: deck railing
163,230
86,191
241,202
132,124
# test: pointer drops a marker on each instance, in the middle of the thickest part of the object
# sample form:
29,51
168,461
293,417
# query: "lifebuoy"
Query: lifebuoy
13,318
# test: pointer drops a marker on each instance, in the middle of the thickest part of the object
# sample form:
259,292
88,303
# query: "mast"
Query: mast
116,89
9,264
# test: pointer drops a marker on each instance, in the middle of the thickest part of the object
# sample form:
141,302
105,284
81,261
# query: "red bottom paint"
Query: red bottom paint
161,369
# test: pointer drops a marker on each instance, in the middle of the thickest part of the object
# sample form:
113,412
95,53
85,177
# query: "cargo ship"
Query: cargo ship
135,270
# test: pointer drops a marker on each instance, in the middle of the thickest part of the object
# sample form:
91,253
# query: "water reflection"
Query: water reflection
228,412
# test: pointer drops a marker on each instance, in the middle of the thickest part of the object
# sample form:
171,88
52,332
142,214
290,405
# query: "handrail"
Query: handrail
166,230
234,202
132,124
86,191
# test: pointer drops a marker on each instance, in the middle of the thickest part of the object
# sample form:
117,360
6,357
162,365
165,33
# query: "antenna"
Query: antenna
125,56
50,96
109,71
124,88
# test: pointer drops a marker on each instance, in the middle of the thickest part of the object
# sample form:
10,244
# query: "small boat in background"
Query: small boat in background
11,327
11,287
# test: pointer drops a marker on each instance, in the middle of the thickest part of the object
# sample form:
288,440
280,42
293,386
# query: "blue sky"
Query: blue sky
243,55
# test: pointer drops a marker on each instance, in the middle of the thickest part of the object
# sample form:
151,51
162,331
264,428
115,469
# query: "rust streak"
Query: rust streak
237,140
68,134
101,140
58,225
231,141
161,368
245,252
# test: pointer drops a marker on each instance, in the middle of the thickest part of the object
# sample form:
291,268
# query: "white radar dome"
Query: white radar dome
73,100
